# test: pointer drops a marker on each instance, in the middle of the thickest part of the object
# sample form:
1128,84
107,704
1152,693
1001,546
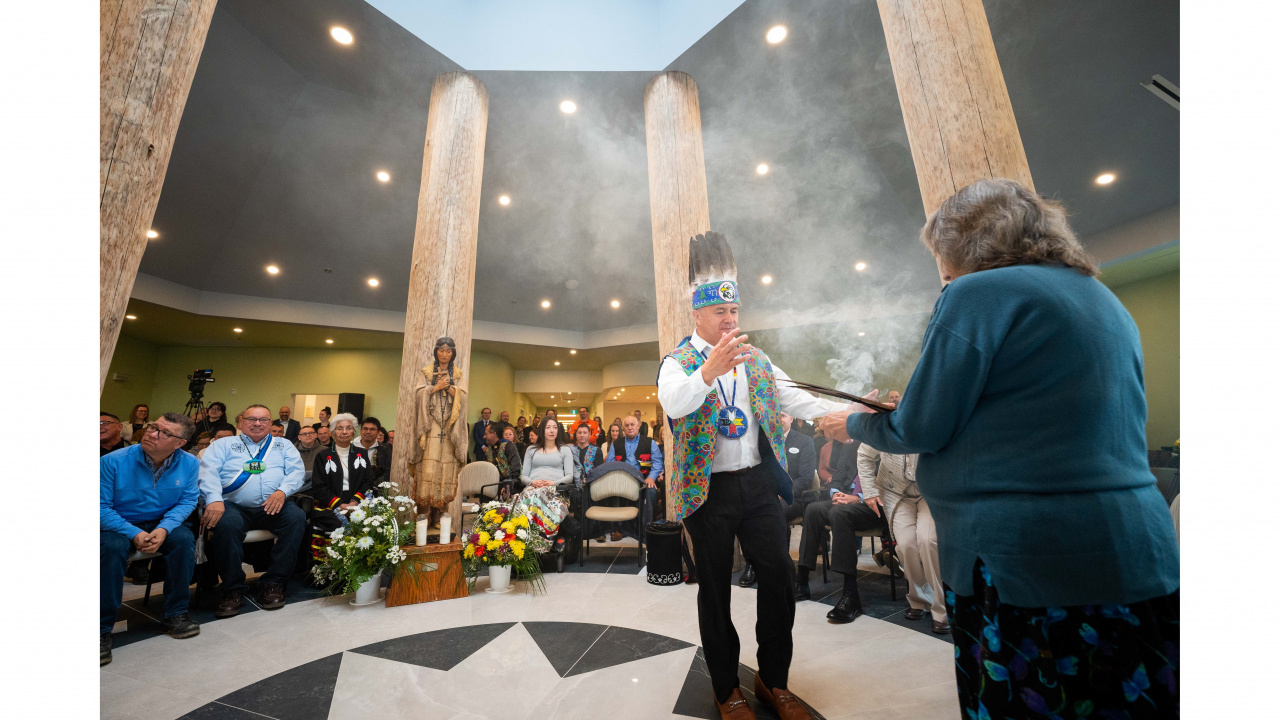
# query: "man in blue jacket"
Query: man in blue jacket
147,492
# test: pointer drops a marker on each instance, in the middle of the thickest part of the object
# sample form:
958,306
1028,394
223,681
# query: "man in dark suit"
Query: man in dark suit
802,463
291,427
477,434
644,426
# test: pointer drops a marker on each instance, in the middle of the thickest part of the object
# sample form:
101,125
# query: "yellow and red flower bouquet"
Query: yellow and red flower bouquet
504,535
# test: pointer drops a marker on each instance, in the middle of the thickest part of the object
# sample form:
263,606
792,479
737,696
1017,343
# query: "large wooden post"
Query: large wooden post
443,272
677,205
148,55
954,101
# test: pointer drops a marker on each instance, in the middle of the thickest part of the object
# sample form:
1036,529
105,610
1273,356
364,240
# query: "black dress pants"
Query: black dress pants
743,505
845,521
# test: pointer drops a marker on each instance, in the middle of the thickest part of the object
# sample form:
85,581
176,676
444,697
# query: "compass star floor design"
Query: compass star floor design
597,645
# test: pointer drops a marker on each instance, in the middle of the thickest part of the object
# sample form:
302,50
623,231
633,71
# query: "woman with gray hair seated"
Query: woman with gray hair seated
1027,407
341,477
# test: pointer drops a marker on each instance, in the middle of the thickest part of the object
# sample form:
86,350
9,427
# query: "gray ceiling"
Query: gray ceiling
275,157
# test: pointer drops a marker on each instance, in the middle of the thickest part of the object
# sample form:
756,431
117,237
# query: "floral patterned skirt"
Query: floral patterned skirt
546,509
1089,661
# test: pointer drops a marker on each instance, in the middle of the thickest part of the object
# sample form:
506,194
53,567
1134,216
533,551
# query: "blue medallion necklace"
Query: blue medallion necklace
730,421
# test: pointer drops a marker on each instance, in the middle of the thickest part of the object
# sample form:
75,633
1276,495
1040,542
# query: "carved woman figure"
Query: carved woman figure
439,433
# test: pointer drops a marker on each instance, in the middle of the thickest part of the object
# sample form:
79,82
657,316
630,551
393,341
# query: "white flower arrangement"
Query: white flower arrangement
370,540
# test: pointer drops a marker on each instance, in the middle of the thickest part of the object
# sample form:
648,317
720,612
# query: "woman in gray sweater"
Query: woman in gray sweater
547,471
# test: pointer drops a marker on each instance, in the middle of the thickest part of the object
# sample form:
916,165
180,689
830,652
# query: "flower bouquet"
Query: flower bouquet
369,541
506,535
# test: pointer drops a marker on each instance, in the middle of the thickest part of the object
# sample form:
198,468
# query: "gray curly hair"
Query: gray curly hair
994,223
341,418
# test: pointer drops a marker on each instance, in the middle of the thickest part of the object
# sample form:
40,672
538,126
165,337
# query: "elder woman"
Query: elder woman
1027,408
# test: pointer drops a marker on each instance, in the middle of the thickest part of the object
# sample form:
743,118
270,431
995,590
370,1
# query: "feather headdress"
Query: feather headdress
713,274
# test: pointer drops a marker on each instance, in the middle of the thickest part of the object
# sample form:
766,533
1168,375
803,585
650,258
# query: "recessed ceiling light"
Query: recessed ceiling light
344,36
553,397
1106,179
273,269
130,317
557,362
766,279
615,304
568,107
573,352
504,200
384,176
546,304
373,282
762,169
329,341
860,266
861,334
776,34
152,234
237,329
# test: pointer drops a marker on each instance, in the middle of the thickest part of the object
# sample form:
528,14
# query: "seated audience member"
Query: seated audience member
379,456
642,425
892,478
477,433
547,473
325,415
610,437
308,446
801,465
277,429
291,426
216,414
503,454
147,491
894,397
324,435
522,424
137,420
221,432
846,512
201,442
245,481
341,476
391,439
110,431
599,424
645,455
584,421
552,414
585,455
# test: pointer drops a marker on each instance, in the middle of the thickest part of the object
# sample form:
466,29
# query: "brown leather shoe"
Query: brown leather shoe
785,703
736,707
939,628
272,596
913,614
616,536
229,606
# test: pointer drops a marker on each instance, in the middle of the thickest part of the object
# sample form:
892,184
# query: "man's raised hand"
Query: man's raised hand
726,355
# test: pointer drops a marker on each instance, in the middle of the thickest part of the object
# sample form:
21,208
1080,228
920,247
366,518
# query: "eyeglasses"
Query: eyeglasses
258,421
164,435
104,423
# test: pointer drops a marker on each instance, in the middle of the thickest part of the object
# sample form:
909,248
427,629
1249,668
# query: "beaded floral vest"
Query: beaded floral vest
694,435
497,454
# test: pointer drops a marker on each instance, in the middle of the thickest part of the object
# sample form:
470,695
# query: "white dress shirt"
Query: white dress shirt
682,394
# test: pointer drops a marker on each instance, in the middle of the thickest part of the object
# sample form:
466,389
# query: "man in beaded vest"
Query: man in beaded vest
722,399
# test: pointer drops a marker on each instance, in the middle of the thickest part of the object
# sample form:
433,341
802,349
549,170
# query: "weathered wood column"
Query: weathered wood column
148,55
677,205
954,101
443,272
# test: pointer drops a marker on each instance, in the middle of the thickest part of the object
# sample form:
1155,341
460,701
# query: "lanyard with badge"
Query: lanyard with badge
731,422
251,468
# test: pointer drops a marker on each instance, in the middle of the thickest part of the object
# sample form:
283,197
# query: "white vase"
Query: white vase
499,578
367,593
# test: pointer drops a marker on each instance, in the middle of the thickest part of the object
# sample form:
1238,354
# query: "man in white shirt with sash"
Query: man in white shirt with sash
245,481
727,440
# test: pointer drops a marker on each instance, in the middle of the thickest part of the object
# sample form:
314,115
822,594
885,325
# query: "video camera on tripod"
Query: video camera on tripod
195,406
198,380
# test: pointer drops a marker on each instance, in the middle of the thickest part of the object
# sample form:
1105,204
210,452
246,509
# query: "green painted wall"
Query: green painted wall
158,376
136,360
1154,305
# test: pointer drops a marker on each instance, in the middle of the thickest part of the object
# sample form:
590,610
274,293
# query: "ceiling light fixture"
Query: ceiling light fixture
1105,179
373,282
557,362
776,34
130,317
273,269
762,169
860,266
236,330
766,279
504,200
344,35
546,304
152,234
615,304
861,334
329,341
573,352
568,107
384,176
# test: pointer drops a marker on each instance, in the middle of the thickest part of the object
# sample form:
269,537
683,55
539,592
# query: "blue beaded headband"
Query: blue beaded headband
716,293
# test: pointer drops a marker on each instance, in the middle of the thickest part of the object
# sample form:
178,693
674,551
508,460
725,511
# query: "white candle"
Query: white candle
445,524
420,531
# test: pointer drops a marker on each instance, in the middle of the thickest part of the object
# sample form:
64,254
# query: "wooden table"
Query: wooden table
430,572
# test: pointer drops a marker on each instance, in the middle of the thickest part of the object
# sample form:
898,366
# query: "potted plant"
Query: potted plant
505,539
369,541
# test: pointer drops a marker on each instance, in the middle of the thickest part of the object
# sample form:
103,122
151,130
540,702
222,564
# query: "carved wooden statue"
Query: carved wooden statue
439,432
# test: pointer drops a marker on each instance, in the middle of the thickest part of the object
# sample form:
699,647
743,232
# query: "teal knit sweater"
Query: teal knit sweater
1028,411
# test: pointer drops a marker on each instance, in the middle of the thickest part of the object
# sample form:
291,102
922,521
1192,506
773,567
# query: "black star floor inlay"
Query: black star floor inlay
696,699
564,643
301,693
620,645
441,649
